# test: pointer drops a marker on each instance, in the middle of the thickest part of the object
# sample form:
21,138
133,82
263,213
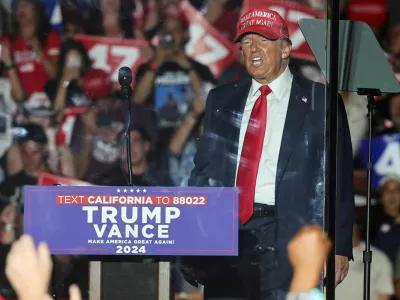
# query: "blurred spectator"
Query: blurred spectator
143,169
29,54
33,153
381,272
385,219
171,80
59,156
112,18
94,135
67,90
145,17
183,145
73,18
165,8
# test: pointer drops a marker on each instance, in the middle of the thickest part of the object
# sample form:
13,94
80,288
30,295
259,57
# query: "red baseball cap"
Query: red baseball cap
372,12
265,22
96,84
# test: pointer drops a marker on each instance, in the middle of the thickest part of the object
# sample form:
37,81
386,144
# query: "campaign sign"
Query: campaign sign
46,179
133,220
207,45
110,54
385,156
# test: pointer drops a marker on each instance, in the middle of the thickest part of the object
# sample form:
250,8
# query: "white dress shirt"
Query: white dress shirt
277,104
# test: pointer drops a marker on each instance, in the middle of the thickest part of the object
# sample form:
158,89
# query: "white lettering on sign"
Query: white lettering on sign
100,56
292,16
389,162
160,218
67,127
198,36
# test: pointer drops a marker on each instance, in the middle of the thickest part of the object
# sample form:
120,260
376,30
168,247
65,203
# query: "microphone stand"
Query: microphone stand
126,91
367,255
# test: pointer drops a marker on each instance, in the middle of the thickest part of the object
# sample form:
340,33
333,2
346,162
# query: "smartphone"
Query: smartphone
166,40
74,61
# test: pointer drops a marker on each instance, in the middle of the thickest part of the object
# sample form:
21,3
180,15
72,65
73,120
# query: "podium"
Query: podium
152,280
132,236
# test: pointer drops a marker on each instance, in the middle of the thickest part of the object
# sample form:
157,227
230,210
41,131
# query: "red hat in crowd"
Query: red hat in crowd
265,22
96,84
372,12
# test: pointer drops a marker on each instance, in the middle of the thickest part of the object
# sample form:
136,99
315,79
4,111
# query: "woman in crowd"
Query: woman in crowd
385,226
29,54
66,90
113,18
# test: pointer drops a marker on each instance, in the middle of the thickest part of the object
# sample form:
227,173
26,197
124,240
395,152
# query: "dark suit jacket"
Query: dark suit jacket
300,178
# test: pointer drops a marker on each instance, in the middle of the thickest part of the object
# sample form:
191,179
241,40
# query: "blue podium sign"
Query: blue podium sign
95,220
385,156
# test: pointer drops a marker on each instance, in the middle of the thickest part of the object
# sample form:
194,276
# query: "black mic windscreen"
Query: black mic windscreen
125,76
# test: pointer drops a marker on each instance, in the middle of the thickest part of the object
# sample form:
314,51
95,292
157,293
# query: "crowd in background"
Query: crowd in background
47,75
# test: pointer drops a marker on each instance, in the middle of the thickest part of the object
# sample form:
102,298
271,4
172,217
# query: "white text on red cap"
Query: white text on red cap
257,22
262,14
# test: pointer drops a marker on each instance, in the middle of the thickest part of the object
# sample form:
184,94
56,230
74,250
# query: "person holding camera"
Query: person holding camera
171,80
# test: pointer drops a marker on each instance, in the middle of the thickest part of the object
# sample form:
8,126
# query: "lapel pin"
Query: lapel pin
304,99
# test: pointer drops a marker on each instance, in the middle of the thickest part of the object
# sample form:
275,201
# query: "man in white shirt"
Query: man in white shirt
266,136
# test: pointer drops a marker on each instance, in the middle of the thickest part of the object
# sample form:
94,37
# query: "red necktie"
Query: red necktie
251,155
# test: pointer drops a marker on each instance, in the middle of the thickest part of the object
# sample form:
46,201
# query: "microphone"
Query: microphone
125,80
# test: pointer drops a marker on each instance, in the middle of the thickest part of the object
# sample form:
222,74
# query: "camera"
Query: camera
7,129
166,40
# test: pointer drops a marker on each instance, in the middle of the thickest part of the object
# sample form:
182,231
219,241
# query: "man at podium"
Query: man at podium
265,135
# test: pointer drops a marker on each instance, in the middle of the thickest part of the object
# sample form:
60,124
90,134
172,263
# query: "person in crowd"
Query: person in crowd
111,19
145,18
381,271
183,144
385,219
38,110
95,131
164,8
33,155
168,74
29,54
145,173
73,18
277,175
67,89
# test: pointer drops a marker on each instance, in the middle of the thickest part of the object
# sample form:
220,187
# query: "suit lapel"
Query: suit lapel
232,113
297,110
